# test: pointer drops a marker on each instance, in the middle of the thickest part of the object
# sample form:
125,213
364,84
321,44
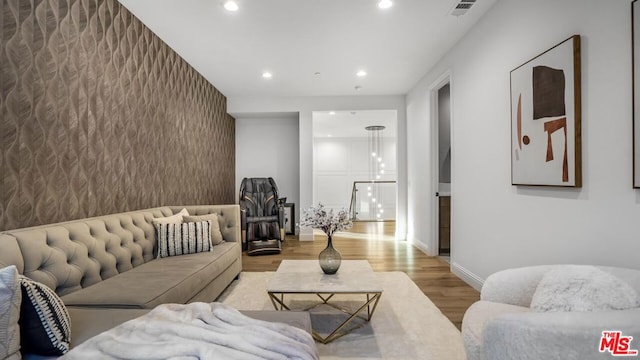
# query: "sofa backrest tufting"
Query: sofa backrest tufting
72,255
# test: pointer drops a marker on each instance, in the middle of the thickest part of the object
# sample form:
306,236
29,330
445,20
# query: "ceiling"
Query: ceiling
352,124
295,39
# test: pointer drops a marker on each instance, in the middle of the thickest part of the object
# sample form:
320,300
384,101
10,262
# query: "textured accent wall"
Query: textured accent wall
99,116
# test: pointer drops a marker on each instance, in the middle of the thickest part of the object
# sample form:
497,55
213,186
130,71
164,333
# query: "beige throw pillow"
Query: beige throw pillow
216,235
10,300
173,219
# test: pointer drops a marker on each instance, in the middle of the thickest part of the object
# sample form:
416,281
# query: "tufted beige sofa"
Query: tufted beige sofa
110,261
105,268
106,272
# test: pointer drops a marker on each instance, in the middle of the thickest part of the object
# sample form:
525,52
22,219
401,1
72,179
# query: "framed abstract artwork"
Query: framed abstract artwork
635,36
545,118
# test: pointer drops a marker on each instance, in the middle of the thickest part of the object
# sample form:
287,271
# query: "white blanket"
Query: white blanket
197,331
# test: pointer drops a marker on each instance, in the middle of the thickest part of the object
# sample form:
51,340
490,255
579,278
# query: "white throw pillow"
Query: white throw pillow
582,288
173,219
10,300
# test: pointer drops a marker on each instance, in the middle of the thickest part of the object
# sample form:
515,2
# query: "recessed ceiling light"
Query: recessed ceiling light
332,112
231,5
361,73
385,4
316,73
267,75
358,88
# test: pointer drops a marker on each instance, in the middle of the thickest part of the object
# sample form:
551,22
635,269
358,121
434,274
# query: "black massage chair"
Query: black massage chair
261,216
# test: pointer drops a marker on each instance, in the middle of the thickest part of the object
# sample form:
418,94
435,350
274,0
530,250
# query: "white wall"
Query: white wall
496,225
268,147
246,106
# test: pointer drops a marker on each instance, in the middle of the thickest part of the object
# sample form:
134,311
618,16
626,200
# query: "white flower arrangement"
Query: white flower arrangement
327,221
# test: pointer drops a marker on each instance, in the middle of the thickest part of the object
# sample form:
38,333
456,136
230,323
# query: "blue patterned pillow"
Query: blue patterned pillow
45,326
185,238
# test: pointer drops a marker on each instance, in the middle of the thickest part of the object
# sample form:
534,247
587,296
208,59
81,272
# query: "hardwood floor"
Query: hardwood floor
450,294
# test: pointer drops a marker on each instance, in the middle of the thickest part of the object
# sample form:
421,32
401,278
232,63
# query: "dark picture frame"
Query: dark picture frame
289,218
546,139
635,71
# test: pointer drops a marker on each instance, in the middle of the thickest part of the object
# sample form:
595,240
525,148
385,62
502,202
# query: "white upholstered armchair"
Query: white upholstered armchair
515,318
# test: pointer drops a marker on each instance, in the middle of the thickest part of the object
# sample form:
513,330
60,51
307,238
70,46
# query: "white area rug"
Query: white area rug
406,324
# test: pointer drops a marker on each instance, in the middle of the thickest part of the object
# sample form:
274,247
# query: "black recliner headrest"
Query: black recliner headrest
258,185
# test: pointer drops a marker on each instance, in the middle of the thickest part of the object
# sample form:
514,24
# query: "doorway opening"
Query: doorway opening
441,127
355,170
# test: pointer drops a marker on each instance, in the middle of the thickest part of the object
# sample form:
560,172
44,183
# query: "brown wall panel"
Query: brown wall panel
98,116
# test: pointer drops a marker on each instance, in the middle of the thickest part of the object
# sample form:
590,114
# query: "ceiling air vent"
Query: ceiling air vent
461,7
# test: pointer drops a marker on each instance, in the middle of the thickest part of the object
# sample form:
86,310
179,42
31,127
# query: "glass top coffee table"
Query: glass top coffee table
306,277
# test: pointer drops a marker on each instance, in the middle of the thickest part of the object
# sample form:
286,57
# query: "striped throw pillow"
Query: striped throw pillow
45,326
182,239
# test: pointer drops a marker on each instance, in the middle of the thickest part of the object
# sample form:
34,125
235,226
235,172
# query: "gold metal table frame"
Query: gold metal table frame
372,298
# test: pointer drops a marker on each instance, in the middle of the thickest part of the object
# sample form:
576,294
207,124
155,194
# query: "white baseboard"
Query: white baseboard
400,236
467,276
305,234
305,237
422,247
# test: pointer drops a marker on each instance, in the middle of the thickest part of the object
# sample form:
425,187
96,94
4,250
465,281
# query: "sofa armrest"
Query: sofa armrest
11,253
553,335
513,286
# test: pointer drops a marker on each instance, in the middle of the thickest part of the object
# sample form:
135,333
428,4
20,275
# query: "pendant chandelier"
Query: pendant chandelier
376,169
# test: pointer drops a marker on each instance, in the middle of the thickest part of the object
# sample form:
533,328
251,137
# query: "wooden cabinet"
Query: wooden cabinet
444,241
